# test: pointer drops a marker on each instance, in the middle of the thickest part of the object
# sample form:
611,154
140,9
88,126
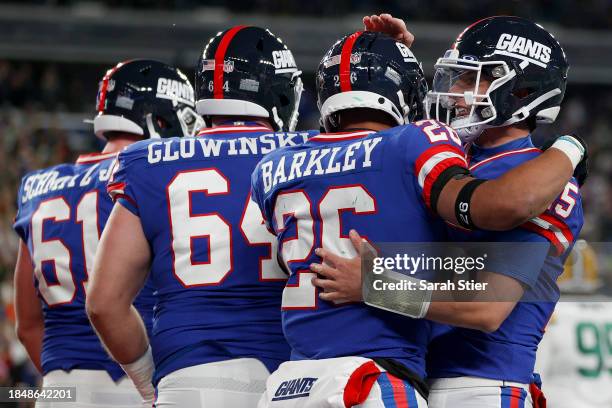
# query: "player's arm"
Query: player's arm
28,311
514,198
120,269
517,267
485,310
341,281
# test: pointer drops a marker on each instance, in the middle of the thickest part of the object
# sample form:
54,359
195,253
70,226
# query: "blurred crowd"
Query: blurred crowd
595,14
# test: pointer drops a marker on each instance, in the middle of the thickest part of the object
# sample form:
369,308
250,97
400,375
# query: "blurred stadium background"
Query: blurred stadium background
54,52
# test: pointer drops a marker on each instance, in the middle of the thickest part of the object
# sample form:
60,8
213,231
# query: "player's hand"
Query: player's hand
581,172
340,278
394,27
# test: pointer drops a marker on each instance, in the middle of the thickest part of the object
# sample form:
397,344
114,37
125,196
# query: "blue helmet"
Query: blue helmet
370,70
524,64
248,71
147,98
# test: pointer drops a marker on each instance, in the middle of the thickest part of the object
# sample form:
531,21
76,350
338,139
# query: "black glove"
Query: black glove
581,172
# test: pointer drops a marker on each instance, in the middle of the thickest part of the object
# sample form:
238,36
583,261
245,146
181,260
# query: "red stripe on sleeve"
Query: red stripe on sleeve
565,230
115,187
432,176
427,154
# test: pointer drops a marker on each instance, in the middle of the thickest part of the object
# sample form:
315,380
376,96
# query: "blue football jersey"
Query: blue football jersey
377,183
213,260
509,353
61,213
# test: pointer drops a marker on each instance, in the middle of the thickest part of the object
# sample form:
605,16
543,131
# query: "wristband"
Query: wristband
571,147
141,374
410,300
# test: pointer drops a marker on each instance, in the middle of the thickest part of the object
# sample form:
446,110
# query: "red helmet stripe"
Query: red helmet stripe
104,87
345,62
220,60
470,26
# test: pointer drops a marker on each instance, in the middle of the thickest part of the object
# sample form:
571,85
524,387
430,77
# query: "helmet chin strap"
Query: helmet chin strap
277,118
469,133
151,128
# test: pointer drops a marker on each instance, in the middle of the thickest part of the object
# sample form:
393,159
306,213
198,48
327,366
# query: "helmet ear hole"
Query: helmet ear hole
162,123
284,100
523,92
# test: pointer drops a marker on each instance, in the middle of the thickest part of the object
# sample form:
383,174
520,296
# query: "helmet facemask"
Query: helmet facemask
484,104
459,78
298,88
189,120
285,112
526,72
182,121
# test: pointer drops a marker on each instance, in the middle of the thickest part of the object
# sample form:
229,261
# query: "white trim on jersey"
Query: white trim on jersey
233,129
500,155
341,135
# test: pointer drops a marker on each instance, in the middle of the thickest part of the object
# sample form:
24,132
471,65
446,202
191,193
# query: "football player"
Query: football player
494,91
183,209
517,72
574,353
62,211
379,173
